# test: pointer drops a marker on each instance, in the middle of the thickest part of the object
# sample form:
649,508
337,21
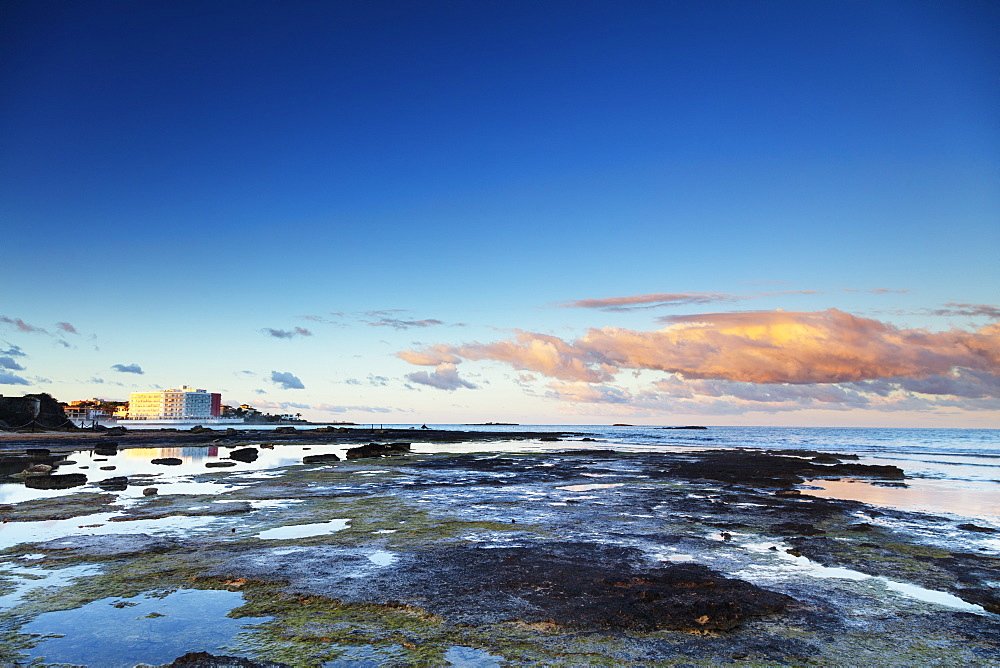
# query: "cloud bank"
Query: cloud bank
758,356
128,368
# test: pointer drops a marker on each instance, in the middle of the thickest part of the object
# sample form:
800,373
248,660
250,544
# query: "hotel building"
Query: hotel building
183,404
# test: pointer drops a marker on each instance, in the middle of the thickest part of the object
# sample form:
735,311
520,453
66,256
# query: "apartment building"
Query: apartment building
176,404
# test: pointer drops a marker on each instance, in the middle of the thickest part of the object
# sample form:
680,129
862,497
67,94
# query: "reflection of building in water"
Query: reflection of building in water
183,404
155,453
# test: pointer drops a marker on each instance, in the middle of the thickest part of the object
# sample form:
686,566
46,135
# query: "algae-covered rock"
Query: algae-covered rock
62,481
378,450
58,508
106,545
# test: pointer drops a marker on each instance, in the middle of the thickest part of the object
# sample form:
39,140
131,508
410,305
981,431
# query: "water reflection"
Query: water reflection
152,629
964,498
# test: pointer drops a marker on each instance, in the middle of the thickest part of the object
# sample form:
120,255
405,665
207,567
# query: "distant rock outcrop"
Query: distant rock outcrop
34,411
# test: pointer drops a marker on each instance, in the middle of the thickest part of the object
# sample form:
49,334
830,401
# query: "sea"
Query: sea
953,472
948,471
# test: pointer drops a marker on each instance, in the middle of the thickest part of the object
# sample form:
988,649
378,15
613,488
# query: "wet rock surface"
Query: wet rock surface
206,660
559,558
56,481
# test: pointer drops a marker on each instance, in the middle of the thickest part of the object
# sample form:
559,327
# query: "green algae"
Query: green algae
190,505
57,508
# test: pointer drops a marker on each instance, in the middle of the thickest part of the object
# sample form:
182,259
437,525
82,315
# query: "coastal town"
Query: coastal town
149,408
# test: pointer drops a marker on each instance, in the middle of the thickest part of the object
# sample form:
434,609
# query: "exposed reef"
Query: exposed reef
582,557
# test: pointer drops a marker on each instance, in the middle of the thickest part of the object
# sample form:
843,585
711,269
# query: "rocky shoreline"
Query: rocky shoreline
581,557
67,441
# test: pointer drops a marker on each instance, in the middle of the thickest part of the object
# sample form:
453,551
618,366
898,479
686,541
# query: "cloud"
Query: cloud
66,327
280,405
653,300
674,395
430,356
879,291
969,310
444,377
588,393
11,379
286,380
13,351
128,368
662,299
756,347
22,326
331,408
286,334
9,363
395,323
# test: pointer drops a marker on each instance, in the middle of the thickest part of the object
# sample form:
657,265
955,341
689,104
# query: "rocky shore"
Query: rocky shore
69,441
581,557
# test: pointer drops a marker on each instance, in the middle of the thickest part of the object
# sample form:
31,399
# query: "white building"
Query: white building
183,404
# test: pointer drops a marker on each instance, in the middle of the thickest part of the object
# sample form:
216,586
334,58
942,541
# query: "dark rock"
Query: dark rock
320,459
206,660
149,491
771,470
245,455
198,429
219,465
232,432
974,527
116,484
167,461
39,411
988,598
378,450
63,481
106,450
796,529
108,468
38,453
863,527
285,430
550,438
585,586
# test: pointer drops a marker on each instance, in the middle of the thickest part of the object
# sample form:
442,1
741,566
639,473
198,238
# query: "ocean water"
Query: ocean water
951,471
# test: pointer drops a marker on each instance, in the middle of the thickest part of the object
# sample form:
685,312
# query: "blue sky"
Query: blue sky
184,184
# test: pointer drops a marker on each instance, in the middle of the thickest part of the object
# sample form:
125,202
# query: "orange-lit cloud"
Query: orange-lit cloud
761,347
662,299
